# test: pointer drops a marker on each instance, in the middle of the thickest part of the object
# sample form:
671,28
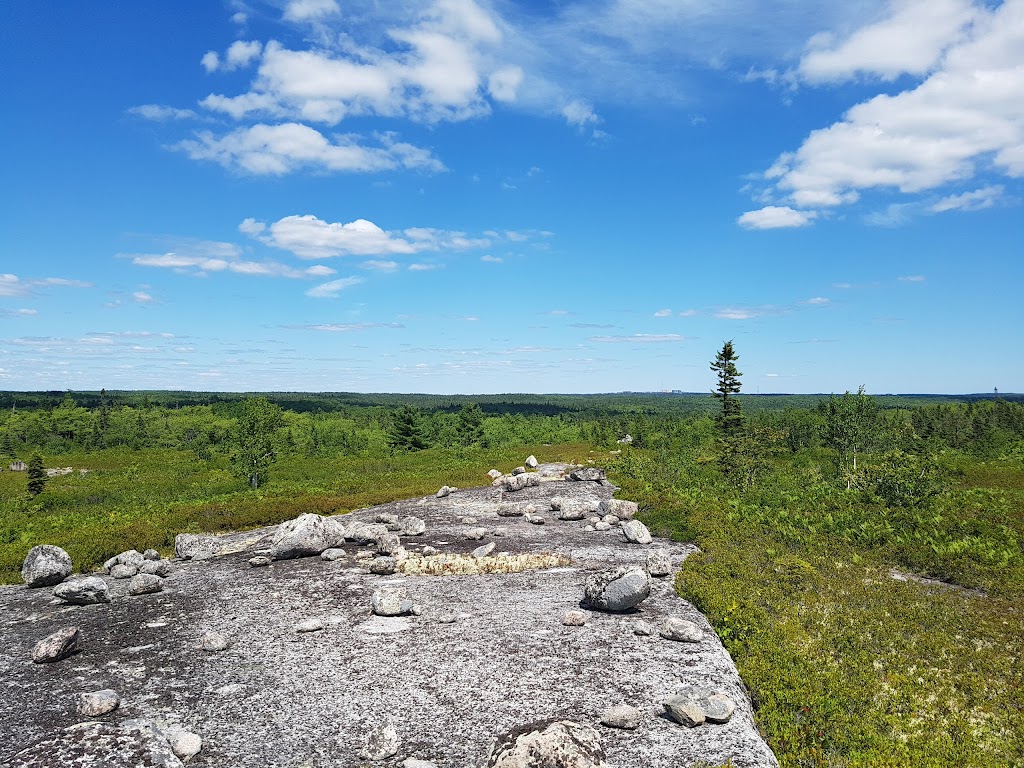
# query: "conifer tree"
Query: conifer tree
36,475
405,430
730,420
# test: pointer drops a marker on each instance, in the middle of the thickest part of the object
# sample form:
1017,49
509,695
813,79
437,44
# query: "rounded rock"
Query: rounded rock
145,584
618,589
260,561
45,565
574,618
383,566
621,716
88,591
123,571
98,703
213,642
680,630
636,532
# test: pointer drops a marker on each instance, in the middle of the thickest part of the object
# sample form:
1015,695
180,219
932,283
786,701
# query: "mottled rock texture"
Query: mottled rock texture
489,654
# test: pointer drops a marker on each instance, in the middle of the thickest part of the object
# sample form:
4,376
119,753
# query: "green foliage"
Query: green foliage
258,420
730,420
849,424
36,475
405,430
470,426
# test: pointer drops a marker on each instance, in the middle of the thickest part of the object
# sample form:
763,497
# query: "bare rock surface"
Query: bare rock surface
487,656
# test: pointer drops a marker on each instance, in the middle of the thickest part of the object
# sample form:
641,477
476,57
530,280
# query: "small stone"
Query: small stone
383,566
417,609
684,711
123,571
88,591
412,526
511,510
493,474
45,566
57,646
130,557
718,708
213,642
531,461
381,743
585,474
475,534
621,716
185,744
561,744
680,630
412,762
145,584
659,562
485,550
624,510
332,554
391,601
151,554
428,550
611,519
574,618
536,520
259,561
589,528
468,520
500,531
386,518
309,625
519,471
98,703
636,532
618,589
643,629
448,618
444,491
161,568
602,526
388,544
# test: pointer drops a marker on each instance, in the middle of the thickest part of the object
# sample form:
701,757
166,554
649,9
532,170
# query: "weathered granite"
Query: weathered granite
279,697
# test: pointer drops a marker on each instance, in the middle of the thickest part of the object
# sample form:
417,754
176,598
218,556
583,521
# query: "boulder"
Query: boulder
513,483
161,568
485,550
191,546
587,474
411,526
636,532
145,584
515,509
684,711
444,491
475,534
643,629
518,470
364,533
574,618
531,461
697,706
123,571
57,646
184,744
213,642
391,601
380,743
332,554
680,630
618,589
151,554
659,562
98,703
386,518
45,565
306,535
259,561
624,510
493,474
621,716
389,544
560,744
601,525
383,566
87,591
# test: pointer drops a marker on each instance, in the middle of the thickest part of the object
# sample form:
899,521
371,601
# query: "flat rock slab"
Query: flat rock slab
488,654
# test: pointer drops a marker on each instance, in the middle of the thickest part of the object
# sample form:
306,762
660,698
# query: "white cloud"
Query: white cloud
736,313
912,278
141,297
663,313
312,238
423,267
197,260
344,327
818,301
279,149
908,41
19,312
775,217
965,117
251,227
894,215
241,53
969,201
320,270
642,338
240,18
492,259
580,114
161,113
333,288
380,266
12,285
503,84
307,10
210,61
689,313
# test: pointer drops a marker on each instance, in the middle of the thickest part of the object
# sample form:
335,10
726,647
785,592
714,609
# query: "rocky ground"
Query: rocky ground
481,655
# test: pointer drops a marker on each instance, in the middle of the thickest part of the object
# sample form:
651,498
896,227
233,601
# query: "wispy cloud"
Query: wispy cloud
12,285
663,313
640,338
912,278
343,327
333,288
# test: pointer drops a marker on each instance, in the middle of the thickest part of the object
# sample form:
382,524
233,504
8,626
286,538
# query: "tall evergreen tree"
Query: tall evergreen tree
730,420
36,475
405,430
469,428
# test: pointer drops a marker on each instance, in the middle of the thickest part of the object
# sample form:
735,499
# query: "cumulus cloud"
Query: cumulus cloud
503,84
201,259
307,10
775,217
241,53
580,114
274,150
964,118
310,237
210,61
333,288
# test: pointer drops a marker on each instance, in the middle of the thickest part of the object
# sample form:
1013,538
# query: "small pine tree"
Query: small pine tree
36,475
405,430
470,425
730,420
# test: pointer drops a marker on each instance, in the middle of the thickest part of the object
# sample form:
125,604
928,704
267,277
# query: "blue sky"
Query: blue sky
462,196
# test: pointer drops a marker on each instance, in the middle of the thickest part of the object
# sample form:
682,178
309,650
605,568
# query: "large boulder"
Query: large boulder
618,589
391,601
621,508
636,532
561,744
132,558
87,591
365,533
584,474
306,535
512,483
192,546
45,565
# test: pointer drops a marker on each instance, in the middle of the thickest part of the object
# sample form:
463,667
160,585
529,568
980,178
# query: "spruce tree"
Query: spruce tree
405,430
36,475
730,420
